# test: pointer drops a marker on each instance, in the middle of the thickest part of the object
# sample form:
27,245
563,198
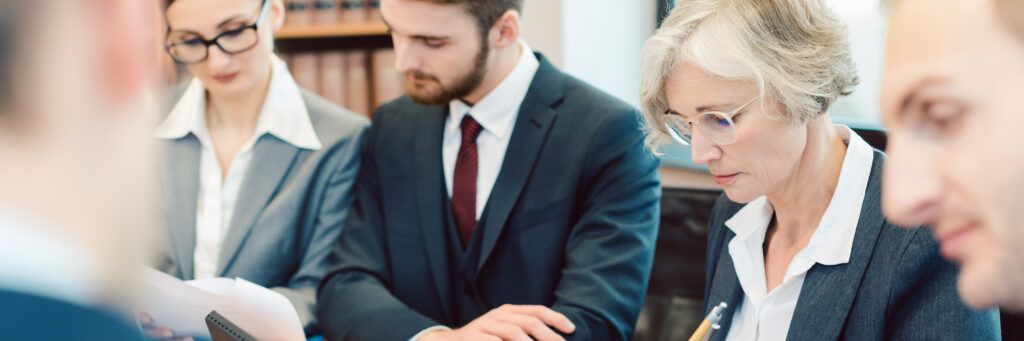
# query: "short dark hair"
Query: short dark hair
486,12
7,52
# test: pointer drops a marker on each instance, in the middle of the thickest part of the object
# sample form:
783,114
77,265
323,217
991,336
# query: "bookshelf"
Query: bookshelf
369,34
349,63
341,50
370,29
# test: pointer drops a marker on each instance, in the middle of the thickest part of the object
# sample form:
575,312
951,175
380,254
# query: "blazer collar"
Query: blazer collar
726,285
181,194
272,159
497,111
829,315
536,117
430,192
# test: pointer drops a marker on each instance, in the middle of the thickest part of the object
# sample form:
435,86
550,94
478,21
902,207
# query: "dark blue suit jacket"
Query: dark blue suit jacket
30,317
895,287
571,222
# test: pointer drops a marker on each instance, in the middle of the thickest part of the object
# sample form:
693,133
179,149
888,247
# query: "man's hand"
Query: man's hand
510,323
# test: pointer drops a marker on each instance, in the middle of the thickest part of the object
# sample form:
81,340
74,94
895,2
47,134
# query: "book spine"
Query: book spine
325,13
299,13
387,82
332,77
358,88
353,11
305,70
373,10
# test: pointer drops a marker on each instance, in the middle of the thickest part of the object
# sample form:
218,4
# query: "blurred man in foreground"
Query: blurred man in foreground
952,105
76,83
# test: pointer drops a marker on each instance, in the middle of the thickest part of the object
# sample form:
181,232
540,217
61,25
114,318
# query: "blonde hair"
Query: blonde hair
795,50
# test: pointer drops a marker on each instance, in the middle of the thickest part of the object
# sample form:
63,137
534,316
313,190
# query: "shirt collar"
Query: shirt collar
497,111
187,115
832,241
752,218
284,113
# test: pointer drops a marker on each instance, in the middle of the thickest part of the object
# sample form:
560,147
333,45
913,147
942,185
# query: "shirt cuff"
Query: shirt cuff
425,331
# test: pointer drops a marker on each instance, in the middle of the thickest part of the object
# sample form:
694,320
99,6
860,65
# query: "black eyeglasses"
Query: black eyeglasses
194,49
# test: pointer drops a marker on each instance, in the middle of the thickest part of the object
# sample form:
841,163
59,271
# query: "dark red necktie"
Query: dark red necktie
464,184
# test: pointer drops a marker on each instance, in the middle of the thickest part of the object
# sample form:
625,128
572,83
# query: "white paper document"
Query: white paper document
182,306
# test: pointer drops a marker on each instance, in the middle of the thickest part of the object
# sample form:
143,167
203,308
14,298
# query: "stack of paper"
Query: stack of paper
183,306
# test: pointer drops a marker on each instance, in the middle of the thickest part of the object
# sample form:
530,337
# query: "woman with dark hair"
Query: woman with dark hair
258,172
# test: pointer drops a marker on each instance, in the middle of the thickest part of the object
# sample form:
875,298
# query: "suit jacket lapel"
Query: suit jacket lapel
181,189
725,288
817,318
271,160
430,189
536,116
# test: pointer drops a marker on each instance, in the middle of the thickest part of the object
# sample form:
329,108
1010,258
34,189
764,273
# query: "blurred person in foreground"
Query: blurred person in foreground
951,101
798,246
77,79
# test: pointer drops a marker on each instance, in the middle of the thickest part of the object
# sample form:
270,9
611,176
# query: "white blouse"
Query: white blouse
766,315
284,115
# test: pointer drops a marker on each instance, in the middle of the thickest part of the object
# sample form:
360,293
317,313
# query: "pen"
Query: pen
710,324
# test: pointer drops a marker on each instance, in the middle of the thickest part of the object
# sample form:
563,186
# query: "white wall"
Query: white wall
601,42
865,23
542,28
598,41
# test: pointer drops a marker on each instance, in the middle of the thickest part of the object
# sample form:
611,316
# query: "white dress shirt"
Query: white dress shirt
496,113
284,115
766,315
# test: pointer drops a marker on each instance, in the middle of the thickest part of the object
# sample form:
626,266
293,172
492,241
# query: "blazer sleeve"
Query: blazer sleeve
334,204
611,249
356,300
925,304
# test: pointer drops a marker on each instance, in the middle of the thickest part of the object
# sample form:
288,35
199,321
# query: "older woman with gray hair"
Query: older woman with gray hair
798,246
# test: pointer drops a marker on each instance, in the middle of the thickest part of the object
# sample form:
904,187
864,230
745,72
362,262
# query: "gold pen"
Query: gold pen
710,324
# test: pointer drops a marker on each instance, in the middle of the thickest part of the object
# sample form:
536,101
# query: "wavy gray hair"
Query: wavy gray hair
795,50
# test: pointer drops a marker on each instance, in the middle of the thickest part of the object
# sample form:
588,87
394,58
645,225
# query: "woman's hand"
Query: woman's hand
154,332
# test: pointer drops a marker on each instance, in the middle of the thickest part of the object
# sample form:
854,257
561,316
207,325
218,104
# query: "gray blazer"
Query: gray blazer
289,211
895,287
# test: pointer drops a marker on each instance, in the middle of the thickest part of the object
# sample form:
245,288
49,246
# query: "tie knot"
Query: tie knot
470,128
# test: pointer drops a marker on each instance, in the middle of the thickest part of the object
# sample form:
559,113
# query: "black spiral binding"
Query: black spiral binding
222,329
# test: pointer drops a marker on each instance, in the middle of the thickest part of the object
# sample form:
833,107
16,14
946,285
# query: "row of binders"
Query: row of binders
303,13
360,80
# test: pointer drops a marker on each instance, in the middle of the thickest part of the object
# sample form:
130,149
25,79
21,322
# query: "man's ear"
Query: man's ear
506,29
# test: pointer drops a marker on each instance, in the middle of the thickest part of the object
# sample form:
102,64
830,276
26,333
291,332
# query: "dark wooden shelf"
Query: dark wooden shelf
341,30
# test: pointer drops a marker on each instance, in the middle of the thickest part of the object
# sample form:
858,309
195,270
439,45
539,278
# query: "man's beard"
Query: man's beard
461,88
